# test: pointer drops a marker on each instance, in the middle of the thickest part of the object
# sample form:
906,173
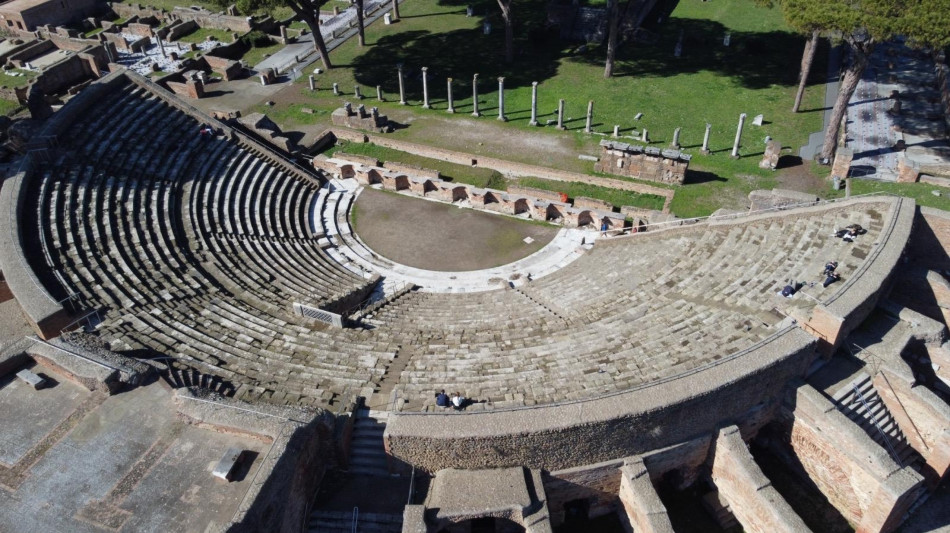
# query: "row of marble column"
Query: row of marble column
534,108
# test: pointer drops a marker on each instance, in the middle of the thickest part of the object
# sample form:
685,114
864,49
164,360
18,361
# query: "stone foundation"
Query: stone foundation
645,163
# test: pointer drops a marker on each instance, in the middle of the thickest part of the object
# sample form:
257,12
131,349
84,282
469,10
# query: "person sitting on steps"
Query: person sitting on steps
442,399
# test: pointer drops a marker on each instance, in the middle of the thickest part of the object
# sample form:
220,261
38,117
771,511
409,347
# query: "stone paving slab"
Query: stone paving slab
27,415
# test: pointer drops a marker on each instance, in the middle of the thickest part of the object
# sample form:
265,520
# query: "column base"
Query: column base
675,146
533,123
562,128
503,119
426,106
705,152
476,114
450,110
402,102
734,156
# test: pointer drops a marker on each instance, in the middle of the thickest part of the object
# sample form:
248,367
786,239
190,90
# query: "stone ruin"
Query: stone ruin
643,162
773,151
361,119
584,212
266,129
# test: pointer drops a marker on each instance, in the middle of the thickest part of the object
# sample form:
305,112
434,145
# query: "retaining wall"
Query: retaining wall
650,417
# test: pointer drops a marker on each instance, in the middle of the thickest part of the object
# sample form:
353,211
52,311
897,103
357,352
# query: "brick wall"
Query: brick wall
508,168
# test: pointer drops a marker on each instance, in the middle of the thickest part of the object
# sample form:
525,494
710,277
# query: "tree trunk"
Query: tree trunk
505,6
614,22
395,9
849,83
359,22
807,58
319,43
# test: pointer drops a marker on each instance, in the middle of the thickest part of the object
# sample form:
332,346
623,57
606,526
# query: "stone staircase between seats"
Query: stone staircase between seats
342,522
367,454
848,401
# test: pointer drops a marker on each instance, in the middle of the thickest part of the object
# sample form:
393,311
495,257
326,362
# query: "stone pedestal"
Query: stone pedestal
842,163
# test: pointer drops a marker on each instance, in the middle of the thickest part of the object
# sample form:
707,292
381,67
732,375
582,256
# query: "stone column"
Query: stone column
705,149
560,114
448,86
735,145
357,93
402,87
336,89
617,130
475,112
283,34
379,93
313,83
590,115
161,45
676,138
534,104
501,100
644,136
425,88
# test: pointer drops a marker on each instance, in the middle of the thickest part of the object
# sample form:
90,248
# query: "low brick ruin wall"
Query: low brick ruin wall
485,199
571,434
508,168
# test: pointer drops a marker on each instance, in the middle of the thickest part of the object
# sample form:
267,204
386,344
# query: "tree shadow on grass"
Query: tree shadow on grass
754,59
694,177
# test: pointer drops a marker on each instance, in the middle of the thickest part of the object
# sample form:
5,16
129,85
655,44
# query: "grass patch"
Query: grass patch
201,35
616,197
922,193
17,81
492,179
9,107
92,33
475,176
169,5
261,46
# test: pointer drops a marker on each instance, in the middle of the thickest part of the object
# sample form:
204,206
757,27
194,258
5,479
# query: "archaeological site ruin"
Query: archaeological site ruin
218,312
255,295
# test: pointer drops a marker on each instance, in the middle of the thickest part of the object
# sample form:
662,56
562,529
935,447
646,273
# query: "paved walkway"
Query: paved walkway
832,83
336,29
568,245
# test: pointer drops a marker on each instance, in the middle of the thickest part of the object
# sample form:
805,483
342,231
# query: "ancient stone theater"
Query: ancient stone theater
215,349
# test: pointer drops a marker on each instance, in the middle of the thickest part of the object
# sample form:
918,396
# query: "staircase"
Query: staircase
367,454
860,402
344,521
719,509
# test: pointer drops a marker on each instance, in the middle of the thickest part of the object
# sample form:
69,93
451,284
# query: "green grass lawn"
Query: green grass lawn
9,107
710,83
202,34
485,177
17,81
256,54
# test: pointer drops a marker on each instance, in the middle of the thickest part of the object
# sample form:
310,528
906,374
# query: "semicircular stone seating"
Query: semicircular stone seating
632,311
194,248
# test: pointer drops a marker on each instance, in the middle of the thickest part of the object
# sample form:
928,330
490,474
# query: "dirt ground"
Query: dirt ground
437,236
